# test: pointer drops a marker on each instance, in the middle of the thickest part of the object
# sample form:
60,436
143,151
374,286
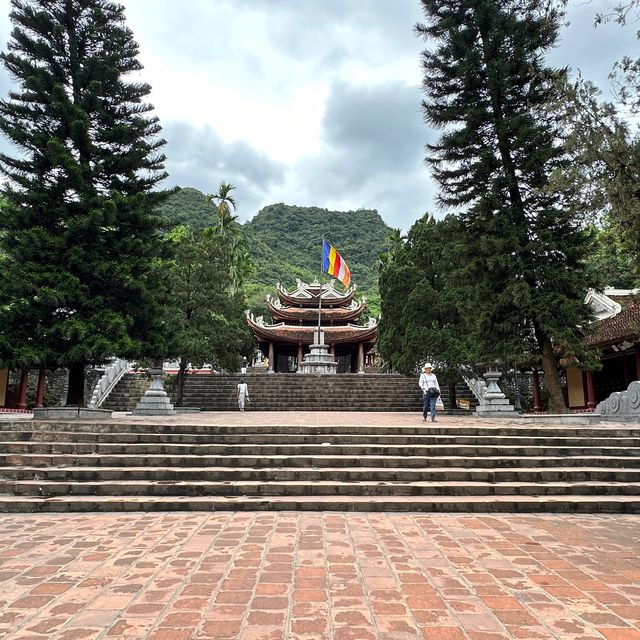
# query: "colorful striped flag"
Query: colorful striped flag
334,265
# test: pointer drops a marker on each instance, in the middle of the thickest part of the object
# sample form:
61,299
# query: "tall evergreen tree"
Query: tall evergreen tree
421,317
487,86
78,231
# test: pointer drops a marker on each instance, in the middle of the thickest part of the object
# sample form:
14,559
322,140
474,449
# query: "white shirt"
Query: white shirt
428,380
243,390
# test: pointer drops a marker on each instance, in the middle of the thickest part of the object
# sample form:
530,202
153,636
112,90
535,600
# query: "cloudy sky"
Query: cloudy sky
309,102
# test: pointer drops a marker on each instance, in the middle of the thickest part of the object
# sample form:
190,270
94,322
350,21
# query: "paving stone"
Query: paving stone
386,576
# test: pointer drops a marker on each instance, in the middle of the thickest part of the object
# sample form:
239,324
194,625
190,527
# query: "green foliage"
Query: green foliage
284,242
206,315
611,264
602,178
421,302
78,230
521,250
187,206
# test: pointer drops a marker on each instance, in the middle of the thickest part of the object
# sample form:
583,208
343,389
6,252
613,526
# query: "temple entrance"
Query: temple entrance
285,359
294,321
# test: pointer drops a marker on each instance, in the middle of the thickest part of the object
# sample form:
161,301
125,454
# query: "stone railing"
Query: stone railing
110,378
622,405
477,387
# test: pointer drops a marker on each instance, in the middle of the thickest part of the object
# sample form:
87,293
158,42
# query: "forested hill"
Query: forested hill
285,242
295,234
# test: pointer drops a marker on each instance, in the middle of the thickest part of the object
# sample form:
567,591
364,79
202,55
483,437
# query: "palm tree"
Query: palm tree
229,229
225,203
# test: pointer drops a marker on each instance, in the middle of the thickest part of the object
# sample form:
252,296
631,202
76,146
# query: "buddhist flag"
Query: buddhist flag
334,265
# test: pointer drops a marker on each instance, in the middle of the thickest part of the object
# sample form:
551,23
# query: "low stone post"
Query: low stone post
155,401
494,403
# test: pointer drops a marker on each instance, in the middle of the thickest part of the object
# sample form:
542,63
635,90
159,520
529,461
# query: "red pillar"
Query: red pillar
591,392
537,405
24,387
42,379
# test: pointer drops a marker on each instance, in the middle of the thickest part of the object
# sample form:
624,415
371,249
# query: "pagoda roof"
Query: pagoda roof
281,332
622,324
279,311
307,295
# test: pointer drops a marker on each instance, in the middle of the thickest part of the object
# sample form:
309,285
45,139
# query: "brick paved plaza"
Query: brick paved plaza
314,576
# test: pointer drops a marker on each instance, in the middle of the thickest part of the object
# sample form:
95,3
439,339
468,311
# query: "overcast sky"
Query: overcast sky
309,102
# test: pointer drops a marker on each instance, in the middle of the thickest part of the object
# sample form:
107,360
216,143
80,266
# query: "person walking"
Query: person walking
430,392
243,394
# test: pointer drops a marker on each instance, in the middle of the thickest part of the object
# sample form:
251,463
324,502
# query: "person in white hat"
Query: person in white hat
430,392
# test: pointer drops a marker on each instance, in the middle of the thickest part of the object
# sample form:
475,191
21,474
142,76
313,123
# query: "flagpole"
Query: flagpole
320,296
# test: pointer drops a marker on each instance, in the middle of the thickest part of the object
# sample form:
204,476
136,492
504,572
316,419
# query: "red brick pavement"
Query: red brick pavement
311,576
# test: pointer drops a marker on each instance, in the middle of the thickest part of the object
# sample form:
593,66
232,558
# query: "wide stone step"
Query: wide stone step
302,447
317,488
424,438
286,392
331,460
468,504
312,474
490,429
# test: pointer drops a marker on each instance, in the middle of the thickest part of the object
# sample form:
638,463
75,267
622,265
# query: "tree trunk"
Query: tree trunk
552,379
453,399
75,394
182,374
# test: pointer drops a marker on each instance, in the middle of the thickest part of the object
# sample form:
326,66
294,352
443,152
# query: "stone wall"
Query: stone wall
55,389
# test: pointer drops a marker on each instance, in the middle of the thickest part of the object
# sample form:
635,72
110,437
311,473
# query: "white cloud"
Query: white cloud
309,102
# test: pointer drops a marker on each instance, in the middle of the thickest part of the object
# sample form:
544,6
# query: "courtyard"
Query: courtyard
308,575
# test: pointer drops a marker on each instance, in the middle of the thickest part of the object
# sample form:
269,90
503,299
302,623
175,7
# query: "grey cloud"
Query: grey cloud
198,157
382,123
374,146
369,29
592,50
373,134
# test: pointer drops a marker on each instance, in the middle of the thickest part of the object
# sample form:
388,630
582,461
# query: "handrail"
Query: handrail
110,378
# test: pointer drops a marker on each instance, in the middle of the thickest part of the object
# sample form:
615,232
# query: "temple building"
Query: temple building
295,319
616,335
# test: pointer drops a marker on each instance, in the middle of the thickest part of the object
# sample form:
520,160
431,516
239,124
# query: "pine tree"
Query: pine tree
487,86
78,232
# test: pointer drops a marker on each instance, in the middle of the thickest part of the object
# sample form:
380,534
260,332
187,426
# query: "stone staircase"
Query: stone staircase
127,393
147,466
291,392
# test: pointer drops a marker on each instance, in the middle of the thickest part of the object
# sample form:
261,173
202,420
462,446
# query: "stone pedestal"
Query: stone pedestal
318,360
70,413
494,403
155,401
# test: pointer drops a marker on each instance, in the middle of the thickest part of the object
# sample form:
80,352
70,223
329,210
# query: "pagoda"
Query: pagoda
294,327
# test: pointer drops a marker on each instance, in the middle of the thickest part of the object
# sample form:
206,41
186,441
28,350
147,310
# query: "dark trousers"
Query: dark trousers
428,406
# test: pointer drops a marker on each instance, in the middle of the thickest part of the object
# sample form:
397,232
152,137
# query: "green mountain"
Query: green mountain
285,243
188,206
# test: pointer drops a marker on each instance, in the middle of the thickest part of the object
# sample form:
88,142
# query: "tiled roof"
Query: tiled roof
624,326
294,334
312,299
310,313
